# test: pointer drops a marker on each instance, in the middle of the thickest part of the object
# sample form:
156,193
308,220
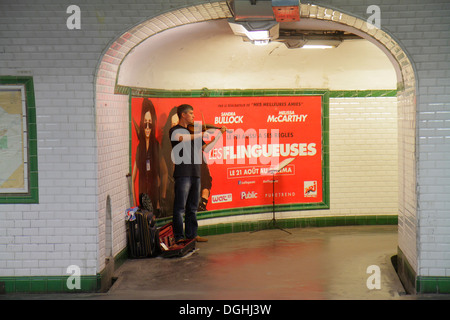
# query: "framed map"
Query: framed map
18,176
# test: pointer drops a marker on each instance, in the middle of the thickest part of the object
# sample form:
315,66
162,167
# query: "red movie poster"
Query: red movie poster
280,134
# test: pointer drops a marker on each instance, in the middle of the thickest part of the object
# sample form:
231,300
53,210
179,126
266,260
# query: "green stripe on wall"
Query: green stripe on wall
332,221
205,92
414,284
433,285
47,284
57,284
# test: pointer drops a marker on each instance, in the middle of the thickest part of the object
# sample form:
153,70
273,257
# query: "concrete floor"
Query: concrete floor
310,263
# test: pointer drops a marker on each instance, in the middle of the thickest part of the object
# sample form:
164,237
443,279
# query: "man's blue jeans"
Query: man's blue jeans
187,196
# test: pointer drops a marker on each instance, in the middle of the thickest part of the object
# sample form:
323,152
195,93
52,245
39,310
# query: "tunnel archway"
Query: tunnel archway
112,107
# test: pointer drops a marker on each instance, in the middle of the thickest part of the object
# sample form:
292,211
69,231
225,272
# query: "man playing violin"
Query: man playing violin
187,155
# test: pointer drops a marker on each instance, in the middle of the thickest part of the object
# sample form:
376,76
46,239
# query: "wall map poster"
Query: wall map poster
263,132
13,149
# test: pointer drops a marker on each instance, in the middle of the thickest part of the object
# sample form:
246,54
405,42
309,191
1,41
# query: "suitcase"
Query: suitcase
142,235
168,248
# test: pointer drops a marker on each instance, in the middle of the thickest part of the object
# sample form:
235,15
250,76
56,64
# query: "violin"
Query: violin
205,127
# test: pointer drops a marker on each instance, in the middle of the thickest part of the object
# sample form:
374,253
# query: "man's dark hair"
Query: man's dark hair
183,109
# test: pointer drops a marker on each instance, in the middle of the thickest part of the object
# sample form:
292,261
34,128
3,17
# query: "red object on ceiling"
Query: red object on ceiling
287,13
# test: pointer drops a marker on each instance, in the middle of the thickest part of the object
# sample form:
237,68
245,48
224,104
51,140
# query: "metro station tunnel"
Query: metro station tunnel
315,143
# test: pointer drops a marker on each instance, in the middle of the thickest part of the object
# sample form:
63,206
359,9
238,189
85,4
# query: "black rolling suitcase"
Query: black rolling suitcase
168,247
138,236
142,234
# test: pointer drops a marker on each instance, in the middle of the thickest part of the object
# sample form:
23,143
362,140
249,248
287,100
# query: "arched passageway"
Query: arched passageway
112,103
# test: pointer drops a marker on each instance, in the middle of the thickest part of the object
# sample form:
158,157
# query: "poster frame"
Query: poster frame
207,93
31,157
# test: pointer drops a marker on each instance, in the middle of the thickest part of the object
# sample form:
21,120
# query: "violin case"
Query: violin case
168,247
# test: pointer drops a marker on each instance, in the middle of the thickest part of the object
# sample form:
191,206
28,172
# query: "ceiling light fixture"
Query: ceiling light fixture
258,32
316,46
321,44
258,21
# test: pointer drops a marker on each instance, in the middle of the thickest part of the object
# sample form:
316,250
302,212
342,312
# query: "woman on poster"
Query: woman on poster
148,164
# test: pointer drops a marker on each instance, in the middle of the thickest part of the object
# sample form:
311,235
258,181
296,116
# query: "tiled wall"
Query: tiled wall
82,129
66,227
60,229
407,220
421,29
363,156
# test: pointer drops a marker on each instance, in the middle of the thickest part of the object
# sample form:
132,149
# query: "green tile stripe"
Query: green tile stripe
252,210
47,284
436,285
419,284
362,93
304,222
405,272
205,92
57,284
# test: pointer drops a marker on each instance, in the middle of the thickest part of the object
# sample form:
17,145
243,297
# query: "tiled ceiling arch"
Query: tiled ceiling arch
110,63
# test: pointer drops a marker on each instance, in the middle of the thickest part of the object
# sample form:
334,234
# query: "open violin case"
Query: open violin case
170,249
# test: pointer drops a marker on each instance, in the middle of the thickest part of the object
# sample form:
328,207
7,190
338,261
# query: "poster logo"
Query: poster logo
240,182
310,188
249,195
221,198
